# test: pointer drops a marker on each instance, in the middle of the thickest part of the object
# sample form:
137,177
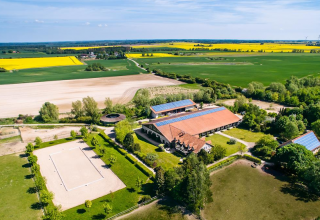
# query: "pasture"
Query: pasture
17,201
27,63
116,68
240,70
242,192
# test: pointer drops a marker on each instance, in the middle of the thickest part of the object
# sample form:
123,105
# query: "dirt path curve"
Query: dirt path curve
140,209
137,64
248,144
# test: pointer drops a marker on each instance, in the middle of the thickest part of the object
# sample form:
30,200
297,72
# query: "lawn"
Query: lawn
124,198
161,210
165,160
245,135
118,68
223,141
10,139
15,181
265,68
242,192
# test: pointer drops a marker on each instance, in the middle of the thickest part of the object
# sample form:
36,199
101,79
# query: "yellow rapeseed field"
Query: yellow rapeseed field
255,47
82,48
154,55
26,63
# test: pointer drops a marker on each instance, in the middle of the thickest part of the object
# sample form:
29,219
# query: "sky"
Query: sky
76,20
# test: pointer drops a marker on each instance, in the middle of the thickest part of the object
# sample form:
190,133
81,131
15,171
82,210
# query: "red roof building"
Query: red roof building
185,130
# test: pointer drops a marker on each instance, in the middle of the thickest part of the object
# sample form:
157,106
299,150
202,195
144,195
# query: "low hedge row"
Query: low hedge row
223,163
251,158
121,151
144,170
131,158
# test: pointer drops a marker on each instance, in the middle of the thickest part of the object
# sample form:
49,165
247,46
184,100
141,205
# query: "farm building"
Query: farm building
309,140
184,131
172,108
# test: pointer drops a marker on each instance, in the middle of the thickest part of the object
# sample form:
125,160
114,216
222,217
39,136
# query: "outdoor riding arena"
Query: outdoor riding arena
27,98
75,173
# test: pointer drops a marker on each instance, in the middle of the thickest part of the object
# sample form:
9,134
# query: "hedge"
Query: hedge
223,163
121,151
131,159
251,158
144,170
107,139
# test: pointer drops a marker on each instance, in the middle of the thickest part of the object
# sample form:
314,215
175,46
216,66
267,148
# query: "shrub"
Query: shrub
46,196
95,128
232,141
223,163
251,158
38,141
145,198
131,159
40,183
29,148
88,203
33,159
122,151
152,157
144,170
136,147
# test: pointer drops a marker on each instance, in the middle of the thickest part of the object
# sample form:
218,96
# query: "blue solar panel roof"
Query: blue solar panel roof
197,114
171,105
310,141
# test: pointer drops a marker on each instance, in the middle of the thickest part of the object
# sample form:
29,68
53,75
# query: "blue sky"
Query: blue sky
68,20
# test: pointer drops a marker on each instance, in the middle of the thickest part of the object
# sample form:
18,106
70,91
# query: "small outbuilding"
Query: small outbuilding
309,140
112,118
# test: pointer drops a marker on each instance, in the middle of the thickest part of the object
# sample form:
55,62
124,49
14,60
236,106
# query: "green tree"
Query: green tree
122,128
311,177
35,168
265,146
49,112
77,109
90,107
46,196
40,183
84,131
29,148
33,159
107,208
108,104
316,127
94,141
88,203
112,159
128,141
136,147
53,213
159,179
291,130
219,152
139,183
293,157
38,141
241,148
73,134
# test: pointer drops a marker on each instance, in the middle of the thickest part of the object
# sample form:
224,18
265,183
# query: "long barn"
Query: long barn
185,130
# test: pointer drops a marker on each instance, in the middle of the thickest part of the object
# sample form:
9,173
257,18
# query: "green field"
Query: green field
118,68
242,192
124,198
15,181
245,135
165,160
265,68
217,139
161,210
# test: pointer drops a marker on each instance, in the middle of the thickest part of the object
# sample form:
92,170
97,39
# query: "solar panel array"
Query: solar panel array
171,105
186,117
310,141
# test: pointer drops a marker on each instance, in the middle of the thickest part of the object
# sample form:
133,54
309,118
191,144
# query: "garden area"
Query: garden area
223,141
245,135
17,200
164,159
241,192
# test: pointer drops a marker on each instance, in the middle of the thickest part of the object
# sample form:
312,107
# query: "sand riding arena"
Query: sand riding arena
75,173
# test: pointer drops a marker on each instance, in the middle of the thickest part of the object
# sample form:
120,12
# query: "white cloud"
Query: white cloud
99,25
102,25
87,23
38,21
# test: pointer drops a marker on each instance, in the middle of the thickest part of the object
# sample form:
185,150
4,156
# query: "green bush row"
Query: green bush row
131,159
251,158
223,163
143,169
121,151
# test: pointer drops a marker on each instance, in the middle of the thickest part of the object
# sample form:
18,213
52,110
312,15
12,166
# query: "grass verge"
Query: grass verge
245,135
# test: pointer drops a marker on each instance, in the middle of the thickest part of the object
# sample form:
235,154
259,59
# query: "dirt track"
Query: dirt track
27,98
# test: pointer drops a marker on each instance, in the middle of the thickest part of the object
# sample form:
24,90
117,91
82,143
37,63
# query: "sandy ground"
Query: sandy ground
27,98
263,105
75,173
12,147
7,132
29,134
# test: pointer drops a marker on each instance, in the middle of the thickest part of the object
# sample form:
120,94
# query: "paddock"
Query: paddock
75,173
